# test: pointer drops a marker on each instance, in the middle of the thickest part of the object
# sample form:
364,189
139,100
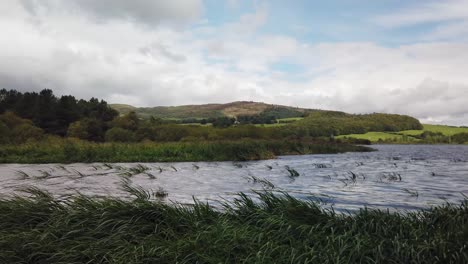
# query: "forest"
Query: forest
31,116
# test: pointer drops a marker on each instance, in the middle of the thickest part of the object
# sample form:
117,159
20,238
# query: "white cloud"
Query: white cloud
450,17
428,11
123,62
148,12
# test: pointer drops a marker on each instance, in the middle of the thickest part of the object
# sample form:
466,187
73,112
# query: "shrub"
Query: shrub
25,132
117,134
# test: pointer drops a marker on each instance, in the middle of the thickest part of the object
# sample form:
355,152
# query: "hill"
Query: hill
234,109
123,108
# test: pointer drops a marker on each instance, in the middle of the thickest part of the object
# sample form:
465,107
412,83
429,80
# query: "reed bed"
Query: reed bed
69,150
266,228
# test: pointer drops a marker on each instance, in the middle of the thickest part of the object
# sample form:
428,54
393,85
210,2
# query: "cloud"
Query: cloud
148,12
449,16
429,11
123,62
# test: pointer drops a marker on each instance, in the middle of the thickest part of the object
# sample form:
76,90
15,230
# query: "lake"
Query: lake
398,177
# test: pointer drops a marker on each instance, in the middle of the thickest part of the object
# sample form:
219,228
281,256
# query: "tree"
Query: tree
223,122
4,133
129,121
88,129
11,120
118,134
78,129
53,114
25,132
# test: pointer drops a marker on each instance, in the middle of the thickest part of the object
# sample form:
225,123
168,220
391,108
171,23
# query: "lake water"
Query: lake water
399,177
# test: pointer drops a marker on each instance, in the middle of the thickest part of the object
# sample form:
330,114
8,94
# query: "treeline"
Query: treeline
55,114
129,128
279,112
331,123
256,119
430,137
33,116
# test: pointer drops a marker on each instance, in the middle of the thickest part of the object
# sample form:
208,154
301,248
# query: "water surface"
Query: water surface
403,177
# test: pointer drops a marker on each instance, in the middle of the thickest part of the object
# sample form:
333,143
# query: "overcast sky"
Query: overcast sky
395,56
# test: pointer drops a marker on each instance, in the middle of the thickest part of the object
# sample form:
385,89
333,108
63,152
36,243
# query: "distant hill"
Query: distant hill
306,122
233,109
123,108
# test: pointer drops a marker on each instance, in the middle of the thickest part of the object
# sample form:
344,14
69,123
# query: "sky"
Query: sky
358,56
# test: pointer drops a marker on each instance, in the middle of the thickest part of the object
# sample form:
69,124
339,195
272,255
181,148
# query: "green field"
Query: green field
290,119
376,136
271,125
196,124
407,136
446,130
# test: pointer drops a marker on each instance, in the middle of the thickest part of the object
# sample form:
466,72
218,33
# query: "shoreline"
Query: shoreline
72,151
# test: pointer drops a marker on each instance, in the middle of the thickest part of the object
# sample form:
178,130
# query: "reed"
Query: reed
69,150
266,228
292,172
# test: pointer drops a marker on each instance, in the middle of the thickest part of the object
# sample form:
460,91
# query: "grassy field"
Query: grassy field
271,125
290,119
281,122
271,229
407,136
446,130
376,136
68,151
196,124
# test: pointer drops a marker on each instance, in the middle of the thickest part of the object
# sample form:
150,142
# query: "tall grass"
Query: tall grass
265,229
68,150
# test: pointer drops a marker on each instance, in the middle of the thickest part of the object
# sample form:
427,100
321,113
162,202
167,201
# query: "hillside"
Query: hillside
339,123
123,108
234,109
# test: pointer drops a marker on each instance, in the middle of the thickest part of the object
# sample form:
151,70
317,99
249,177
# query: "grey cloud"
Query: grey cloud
162,50
148,12
146,66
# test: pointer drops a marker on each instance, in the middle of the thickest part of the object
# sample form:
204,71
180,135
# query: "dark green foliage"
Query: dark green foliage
14,129
222,122
433,137
272,229
358,141
279,112
326,123
256,119
11,120
53,114
429,134
91,129
4,133
128,121
25,132
429,137
270,115
460,138
118,134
